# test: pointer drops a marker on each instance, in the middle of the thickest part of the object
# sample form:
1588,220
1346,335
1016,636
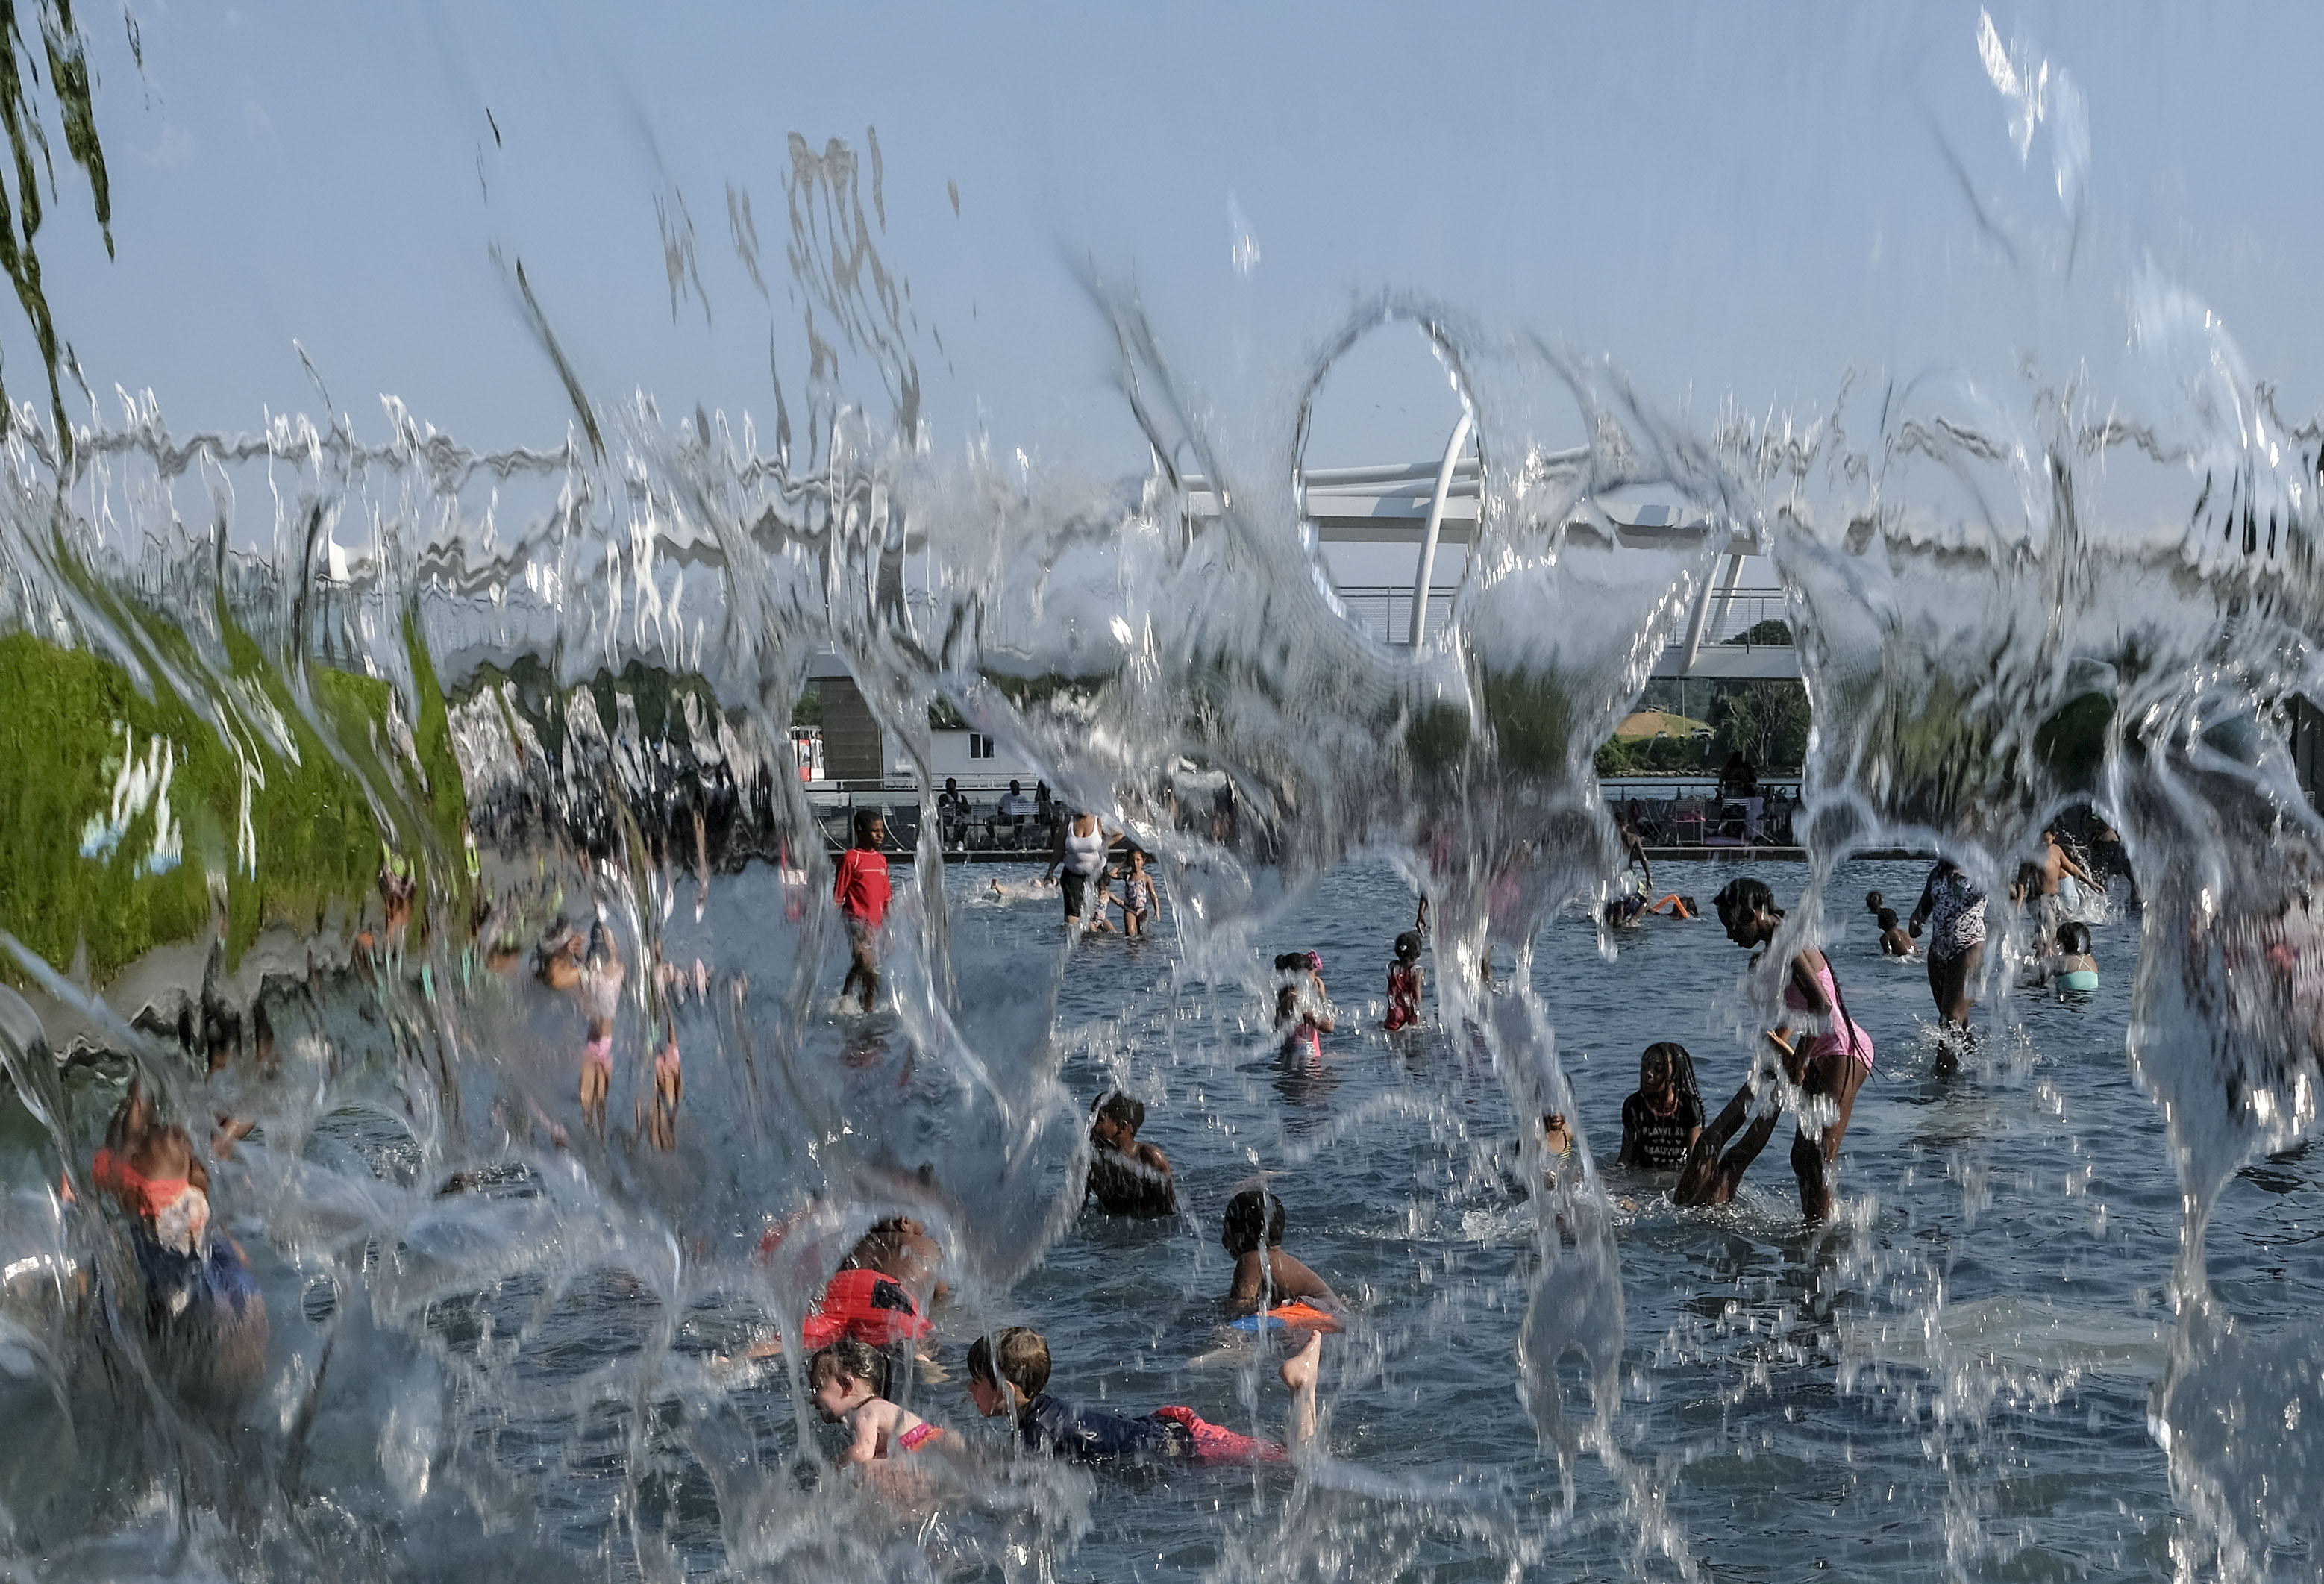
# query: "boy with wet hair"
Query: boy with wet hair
1127,1177
862,889
1894,941
1009,1373
1265,1276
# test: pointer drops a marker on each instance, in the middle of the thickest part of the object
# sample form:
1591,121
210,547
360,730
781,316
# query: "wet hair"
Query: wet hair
1024,1359
1872,901
1292,961
852,1357
2074,938
1743,896
1681,1067
1286,1002
863,818
1887,919
1117,1107
1252,1215
1407,946
1691,905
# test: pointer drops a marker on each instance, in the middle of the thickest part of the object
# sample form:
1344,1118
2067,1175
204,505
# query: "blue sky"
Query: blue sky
1728,203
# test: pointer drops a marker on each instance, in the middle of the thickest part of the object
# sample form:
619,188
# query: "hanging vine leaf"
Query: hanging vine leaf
21,113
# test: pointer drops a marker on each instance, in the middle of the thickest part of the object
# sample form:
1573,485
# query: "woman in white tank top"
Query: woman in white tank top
1082,845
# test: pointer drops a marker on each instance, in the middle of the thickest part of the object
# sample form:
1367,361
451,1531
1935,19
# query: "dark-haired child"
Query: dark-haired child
1893,940
849,1380
1299,1025
1627,911
899,1249
1309,964
1676,906
1265,1276
2071,970
1828,1061
1661,1120
1009,1373
1127,1177
1404,982
862,889
1137,900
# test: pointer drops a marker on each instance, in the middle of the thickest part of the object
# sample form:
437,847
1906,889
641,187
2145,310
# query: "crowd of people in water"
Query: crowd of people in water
877,1306
1816,1057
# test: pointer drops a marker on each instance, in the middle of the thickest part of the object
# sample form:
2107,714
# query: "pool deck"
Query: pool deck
1653,855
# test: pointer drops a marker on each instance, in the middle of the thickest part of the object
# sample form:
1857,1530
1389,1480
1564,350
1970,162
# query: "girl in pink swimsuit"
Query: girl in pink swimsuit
849,1379
1301,1028
1827,1059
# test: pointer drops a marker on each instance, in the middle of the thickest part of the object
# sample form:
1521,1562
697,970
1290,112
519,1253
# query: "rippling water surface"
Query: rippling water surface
310,744
1958,1371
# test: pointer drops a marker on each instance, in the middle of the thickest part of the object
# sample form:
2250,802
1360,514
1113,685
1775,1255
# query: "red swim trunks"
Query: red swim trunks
1215,1443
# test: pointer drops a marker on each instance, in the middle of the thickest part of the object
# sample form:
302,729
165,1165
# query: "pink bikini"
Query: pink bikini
1845,1034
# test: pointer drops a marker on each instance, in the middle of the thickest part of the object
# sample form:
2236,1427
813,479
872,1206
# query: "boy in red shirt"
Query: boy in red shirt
862,890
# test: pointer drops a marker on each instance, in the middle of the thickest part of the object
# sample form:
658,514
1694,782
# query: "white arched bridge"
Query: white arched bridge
1736,631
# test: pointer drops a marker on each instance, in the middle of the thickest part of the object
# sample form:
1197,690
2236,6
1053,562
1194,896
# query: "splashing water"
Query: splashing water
323,742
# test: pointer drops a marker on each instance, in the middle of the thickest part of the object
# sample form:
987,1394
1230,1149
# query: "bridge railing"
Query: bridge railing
1384,612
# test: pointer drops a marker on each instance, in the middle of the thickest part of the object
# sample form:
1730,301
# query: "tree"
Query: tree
1768,722
28,140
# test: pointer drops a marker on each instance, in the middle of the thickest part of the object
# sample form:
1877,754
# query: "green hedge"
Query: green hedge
71,879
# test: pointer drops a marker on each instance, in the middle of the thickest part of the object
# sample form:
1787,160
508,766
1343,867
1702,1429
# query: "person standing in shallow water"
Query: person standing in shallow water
1080,853
862,889
1827,1059
1953,907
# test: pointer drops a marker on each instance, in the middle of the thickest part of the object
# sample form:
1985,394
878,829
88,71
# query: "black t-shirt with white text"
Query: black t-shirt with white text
1659,1143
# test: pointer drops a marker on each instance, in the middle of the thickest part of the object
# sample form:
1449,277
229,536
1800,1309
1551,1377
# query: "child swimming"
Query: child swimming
1827,1063
1405,983
1663,1116
1009,1373
1127,1177
2071,970
200,1294
1893,940
1556,1148
849,1380
1265,1276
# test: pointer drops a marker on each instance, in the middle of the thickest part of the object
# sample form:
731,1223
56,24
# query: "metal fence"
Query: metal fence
1384,613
